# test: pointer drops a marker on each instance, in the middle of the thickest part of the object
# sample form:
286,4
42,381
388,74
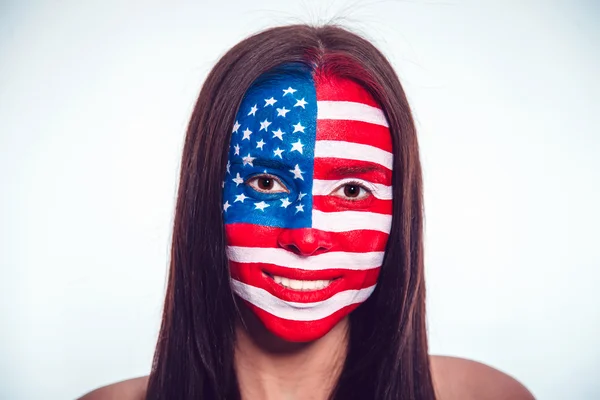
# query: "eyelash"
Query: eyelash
353,183
269,176
359,184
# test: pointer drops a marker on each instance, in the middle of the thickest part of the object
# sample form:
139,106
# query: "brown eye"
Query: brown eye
265,183
351,191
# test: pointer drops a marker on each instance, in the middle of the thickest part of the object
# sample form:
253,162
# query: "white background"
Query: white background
94,100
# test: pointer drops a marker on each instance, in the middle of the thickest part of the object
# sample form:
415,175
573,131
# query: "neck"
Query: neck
267,367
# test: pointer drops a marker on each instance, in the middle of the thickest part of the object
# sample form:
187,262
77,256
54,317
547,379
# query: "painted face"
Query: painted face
307,201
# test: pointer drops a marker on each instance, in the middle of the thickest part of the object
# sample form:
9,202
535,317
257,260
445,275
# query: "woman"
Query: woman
297,257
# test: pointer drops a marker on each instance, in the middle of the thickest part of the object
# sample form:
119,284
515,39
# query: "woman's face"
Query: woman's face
307,202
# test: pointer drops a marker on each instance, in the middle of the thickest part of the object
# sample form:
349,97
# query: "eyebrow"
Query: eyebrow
357,169
263,162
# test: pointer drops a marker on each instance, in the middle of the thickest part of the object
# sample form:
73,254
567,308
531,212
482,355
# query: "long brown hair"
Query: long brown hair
387,354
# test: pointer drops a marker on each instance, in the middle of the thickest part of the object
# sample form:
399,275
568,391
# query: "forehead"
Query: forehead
285,113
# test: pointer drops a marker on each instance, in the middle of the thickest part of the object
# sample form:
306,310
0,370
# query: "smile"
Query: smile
300,285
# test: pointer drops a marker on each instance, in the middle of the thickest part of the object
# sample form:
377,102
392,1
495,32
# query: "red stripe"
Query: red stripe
333,88
334,204
252,274
300,331
250,235
339,168
356,132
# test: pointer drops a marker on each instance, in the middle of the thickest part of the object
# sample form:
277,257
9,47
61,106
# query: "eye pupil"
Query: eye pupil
351,190
265,183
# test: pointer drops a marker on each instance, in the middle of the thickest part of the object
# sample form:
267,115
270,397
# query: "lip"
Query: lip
300,274
256,274
305,296
296,290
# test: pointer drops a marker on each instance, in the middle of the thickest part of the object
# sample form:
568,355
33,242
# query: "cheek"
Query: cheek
250,235
335,203
361,241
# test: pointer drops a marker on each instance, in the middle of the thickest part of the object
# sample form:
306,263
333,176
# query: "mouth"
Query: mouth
300,285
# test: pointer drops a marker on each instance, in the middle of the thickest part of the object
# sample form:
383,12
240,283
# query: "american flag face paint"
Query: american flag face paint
307,201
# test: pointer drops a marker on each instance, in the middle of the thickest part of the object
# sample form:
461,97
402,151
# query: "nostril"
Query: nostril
320,250
293,248
307,252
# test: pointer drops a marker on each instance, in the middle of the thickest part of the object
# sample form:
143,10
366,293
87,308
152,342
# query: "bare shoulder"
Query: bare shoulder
131,389
459,378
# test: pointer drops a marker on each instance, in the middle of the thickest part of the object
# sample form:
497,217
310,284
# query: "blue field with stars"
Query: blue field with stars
274,133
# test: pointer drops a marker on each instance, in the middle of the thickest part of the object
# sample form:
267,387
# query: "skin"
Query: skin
286,375
270,368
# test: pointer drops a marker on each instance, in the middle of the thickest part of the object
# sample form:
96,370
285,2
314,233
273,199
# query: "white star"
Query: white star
301,103
248,160
297,146
278,133
253,110
264,125
278,152
282,111
228,165
247,134
297,173
238,179
298,128
260,206
222,184
301,195
237,150
285,202
226,206
299,208
289,90
270,102
236,126
240,197
260,144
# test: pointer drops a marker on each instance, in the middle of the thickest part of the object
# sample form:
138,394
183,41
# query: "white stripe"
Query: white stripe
299,311
353,151
285,258
344,221
323,187
351,111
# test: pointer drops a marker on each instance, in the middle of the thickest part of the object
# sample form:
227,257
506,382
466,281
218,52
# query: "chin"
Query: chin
300,331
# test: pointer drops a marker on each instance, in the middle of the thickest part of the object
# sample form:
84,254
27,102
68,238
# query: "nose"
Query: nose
305,241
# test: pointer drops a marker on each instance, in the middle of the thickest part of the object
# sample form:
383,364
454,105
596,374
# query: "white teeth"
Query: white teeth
309,285
299,285
295,284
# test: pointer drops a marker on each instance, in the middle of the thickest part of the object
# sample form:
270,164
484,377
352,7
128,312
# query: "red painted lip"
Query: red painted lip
257,275
305,296
301,275
268,274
